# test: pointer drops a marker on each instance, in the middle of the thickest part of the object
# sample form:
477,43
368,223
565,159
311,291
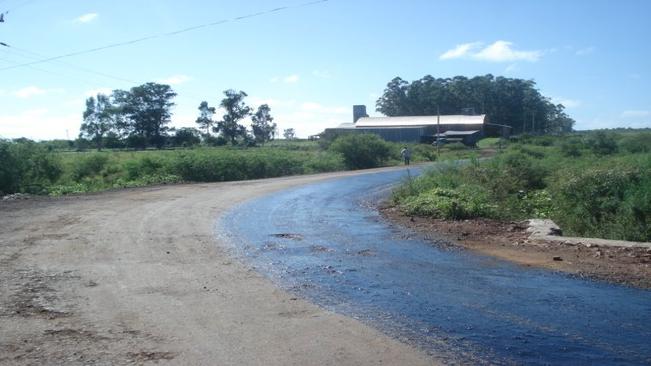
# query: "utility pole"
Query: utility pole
438,132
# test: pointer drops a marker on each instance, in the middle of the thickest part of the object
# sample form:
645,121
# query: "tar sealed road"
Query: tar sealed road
326,243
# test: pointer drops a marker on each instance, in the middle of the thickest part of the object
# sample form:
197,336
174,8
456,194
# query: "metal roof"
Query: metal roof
346,125
420,121
458,133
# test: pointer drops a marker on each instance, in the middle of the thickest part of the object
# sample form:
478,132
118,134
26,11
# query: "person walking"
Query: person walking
406,154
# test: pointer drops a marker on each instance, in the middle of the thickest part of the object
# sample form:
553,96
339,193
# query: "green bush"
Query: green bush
613,203
525,172
424,152
634,144
89,165
463,203
144,165
27,167
608,196
362,151
602,143
572,148
9,169
324,162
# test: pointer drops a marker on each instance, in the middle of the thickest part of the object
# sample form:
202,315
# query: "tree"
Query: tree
514,102
97,119
236,110
264,129
147,112
187,136
205,120
289,134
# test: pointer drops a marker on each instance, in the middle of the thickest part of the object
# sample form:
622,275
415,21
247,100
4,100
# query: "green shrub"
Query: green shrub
144,165
613,203
10,173
526,173
362,151
89,165
324,162
463,203
602,143
634,144
424,152
27,167
571,148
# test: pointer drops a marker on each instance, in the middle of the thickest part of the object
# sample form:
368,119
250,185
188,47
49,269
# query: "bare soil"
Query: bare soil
141,277
509,241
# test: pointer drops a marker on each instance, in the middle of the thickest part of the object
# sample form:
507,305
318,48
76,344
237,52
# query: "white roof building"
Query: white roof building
420,121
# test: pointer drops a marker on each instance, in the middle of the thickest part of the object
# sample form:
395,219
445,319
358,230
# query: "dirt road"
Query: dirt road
138,276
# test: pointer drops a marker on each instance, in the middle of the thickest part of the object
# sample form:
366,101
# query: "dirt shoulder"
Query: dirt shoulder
508,240
139,276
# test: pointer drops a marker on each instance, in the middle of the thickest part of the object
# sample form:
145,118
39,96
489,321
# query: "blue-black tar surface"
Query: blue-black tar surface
326,243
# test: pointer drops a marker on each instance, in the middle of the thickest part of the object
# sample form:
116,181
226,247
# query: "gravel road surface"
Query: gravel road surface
139,276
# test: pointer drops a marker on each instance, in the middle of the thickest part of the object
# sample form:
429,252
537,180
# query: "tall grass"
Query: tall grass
597,184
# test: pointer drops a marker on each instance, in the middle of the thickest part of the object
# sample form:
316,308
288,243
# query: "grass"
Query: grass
34,168
592,184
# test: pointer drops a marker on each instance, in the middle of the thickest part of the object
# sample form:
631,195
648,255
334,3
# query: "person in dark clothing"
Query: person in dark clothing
406,155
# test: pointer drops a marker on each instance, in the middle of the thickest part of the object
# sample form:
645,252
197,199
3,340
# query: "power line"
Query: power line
167,34
185,95
36,56
20,5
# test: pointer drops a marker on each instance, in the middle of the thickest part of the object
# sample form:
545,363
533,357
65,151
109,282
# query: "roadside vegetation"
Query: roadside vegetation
595,184
44,168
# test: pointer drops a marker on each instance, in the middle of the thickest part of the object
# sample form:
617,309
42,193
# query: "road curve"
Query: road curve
326,242
138,275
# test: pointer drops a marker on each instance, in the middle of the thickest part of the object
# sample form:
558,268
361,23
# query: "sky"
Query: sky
311,63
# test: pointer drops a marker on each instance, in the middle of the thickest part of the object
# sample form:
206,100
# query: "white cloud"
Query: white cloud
461,50
316,107
635,113
585,51
499,51
40,124
567,102
86,18
322,74
273,103
29,91
175,79
289,79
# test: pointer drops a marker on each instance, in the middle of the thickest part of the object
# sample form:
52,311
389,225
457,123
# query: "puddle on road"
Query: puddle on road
473,308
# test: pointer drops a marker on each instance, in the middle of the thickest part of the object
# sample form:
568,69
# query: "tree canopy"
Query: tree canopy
147,109
98,119
236,110
509,101
205,120
264,129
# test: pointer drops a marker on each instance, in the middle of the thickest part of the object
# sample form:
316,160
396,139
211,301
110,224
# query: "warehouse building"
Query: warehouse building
467,129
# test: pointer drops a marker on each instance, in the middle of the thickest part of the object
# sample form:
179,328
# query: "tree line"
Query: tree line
140,118
508,101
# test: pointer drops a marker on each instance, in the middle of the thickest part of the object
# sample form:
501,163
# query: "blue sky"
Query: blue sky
312,63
